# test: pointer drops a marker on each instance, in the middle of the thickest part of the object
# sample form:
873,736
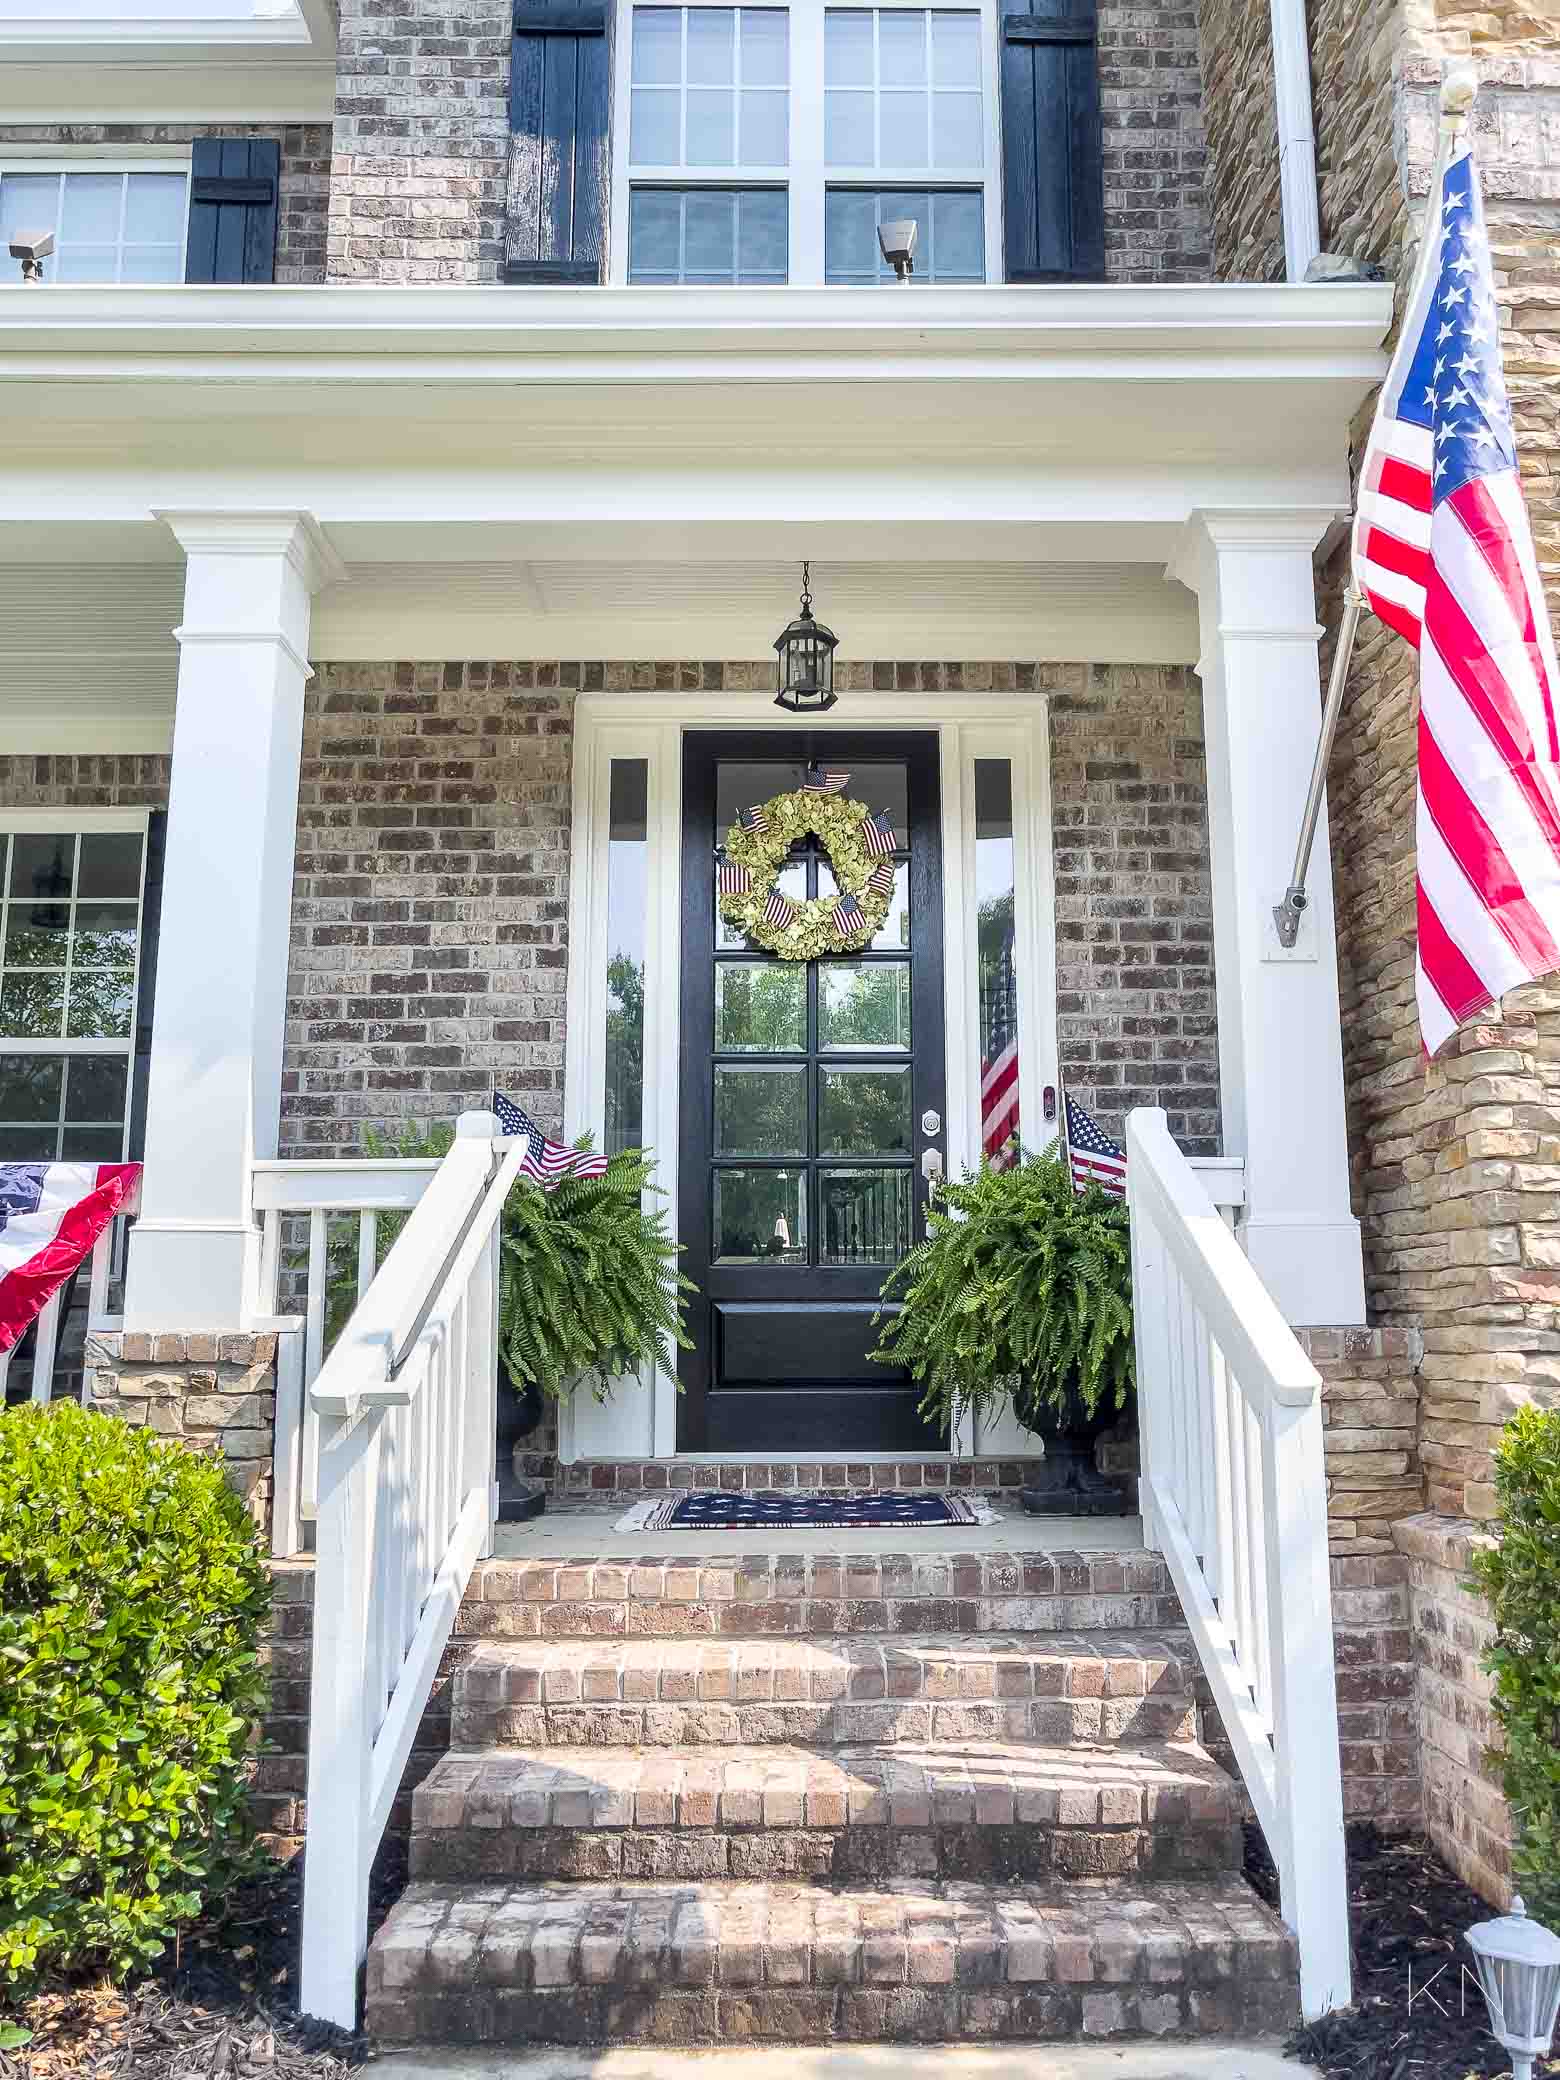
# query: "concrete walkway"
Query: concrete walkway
1203,2061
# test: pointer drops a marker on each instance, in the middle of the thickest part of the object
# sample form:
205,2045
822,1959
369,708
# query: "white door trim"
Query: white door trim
641,1421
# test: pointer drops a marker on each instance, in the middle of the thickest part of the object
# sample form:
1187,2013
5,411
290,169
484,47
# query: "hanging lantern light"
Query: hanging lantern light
804,652
1518,1963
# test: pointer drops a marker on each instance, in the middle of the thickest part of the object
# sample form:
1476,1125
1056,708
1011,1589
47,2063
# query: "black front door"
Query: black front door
810,1091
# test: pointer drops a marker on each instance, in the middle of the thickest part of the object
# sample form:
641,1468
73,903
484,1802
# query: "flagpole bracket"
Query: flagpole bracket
1287,916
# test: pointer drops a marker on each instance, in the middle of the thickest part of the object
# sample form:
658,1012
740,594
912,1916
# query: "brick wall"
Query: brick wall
421,141
1136,1022
303,188
63,780
1156,218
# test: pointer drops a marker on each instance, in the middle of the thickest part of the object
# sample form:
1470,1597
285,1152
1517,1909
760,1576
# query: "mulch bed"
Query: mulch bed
222,2004
1407,1914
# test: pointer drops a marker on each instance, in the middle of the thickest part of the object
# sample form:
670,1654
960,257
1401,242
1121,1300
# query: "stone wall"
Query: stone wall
1136,1022
216,1392
303,187
1156,216
1242,125
421,142
1464,1808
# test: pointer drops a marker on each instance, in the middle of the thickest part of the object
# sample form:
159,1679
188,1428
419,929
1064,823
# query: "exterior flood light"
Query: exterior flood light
1518,1963
804,652
896,242
32,248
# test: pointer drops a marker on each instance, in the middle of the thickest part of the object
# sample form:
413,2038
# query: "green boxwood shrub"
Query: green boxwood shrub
1521,1579
132,1592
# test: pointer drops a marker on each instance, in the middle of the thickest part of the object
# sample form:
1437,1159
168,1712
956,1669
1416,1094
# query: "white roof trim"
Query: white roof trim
616,335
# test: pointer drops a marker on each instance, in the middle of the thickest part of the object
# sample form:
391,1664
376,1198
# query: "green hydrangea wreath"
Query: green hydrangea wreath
801,931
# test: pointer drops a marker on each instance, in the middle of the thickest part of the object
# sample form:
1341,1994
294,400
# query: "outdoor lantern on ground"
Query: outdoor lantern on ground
804,673
1518,1962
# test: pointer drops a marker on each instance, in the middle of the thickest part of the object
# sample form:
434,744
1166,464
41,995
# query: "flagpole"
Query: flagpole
1457,91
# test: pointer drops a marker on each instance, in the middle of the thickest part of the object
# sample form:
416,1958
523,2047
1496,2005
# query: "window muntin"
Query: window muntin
70,945
110,223
708,235
902,90
710,88
950,247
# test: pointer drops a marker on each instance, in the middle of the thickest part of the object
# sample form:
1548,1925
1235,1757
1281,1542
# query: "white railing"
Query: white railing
328,1197
105,1264
1233,1493
407,1408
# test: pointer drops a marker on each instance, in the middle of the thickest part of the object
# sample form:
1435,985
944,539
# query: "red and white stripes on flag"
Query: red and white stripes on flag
1443,553
999,1107
51,1215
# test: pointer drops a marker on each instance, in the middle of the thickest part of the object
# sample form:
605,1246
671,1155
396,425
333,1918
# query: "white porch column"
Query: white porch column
1280,1044
214,1093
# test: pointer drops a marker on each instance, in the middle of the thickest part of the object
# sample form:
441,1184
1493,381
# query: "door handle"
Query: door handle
931,1165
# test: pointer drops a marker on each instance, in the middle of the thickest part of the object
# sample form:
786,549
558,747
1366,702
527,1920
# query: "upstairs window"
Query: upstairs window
110,224
766,145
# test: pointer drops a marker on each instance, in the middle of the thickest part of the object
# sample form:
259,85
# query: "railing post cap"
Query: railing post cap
477,1126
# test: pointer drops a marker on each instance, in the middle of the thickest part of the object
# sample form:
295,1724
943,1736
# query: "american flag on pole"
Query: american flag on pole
1443,554
999,1066
548,1161
825,780
733,880
1091,1154
877,834
51,1215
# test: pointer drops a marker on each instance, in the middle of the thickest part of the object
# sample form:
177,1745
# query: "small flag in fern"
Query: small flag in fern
1094,1157
548,1161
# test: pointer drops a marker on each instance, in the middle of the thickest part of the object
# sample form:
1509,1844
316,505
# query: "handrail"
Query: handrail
1233,1493
406,1406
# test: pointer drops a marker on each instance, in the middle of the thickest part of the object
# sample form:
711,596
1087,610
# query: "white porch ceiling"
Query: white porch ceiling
90,661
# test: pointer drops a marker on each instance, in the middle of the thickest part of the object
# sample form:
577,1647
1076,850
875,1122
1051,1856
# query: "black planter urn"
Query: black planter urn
520,1409
1068,1483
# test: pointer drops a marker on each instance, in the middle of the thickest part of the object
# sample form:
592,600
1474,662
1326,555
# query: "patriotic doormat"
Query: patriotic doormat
709,1509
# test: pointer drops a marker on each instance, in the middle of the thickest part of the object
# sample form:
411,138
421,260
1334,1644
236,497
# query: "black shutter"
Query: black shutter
1053,184
233,184
556,228
146,985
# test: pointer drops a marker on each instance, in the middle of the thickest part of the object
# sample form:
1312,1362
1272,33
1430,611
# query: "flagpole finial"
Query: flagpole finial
1458,88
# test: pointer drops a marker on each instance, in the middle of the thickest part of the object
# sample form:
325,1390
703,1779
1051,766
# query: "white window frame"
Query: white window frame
807,177
83,822
96,159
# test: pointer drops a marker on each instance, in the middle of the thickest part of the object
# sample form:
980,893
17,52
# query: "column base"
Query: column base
1312,1266
190,1274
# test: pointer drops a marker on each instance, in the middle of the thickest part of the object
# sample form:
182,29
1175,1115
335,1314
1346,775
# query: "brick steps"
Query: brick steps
1051,1687
736,1594
972,1812
807,1795
727,1960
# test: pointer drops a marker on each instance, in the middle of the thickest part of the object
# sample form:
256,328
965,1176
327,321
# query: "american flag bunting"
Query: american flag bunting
548,1161
51,1215
1091,1154
1443,553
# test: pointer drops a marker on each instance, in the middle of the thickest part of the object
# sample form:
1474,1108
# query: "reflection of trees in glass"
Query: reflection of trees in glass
864,1112
994,943
747,1205
864,1005
762,1007
761,1112
625,1053
99,1003
865,1216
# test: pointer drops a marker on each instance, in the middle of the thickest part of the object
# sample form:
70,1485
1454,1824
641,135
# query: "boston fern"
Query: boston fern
589,1285
1022,1290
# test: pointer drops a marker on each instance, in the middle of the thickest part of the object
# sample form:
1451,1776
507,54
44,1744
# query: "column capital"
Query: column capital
263,532
1210,532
